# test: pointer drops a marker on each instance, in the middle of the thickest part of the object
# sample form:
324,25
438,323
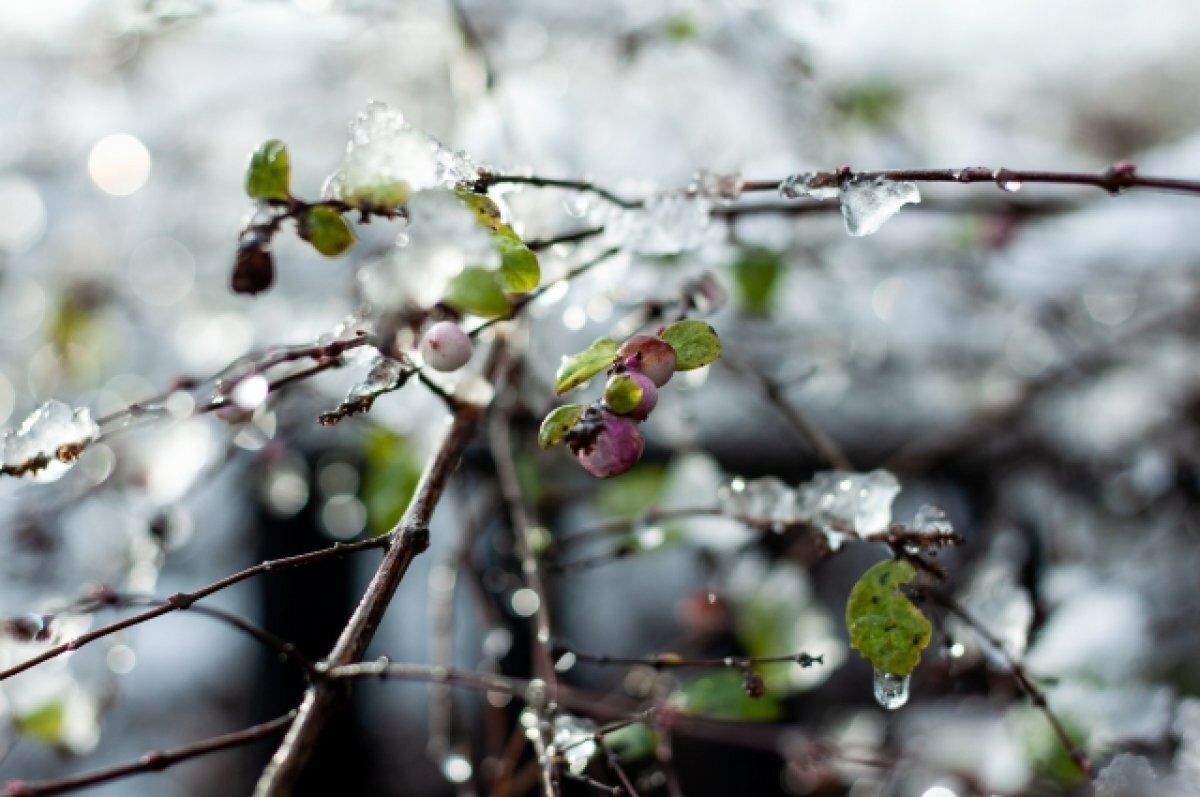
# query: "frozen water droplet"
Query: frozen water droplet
931,520
868,202
666,224
1011,186
48,441
385,374
574,738
765,499
848,502
387,160
891,690
821,185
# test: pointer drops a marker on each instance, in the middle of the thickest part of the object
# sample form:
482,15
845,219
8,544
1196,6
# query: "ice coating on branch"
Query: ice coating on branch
574,741
836,502
932,521
387,160
385,374
1127,775
841,501
666,225
441,239
811,185
48,441
868,202
767,498
722,188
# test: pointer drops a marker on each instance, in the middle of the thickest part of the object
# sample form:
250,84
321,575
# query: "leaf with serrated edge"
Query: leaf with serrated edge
695,343
885,626
557,423
579,368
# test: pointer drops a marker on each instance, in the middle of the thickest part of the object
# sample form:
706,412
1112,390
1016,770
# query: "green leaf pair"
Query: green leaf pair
696,344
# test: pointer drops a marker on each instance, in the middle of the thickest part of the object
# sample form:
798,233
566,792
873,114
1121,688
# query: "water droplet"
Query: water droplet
868,202
1011,186
574,737
891,691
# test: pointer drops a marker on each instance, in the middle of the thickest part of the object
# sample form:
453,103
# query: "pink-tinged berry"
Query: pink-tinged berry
648,355
631,393
606,444
445,347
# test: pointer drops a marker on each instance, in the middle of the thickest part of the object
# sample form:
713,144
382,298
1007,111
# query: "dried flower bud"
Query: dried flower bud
253,270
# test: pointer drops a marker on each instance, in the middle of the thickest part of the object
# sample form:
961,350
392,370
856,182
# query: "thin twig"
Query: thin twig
614,763
670,661
150,762
184,600
1022,678
488,179
771,389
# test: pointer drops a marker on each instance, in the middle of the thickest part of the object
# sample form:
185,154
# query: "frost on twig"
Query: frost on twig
47,442
867,202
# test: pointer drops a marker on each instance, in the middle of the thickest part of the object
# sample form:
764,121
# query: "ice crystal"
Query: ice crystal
48,441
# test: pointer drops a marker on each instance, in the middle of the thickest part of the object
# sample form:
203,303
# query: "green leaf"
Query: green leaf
326,230
477,291
756,274
719,695
558,423
390,474
885,626
385,195
579,368
486,211
269,174
44,724
519,268
633,742
695,343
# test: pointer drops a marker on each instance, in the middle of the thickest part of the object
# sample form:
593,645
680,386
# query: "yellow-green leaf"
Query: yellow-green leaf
579,368
486,211
519,268
756,273
557,423
885,626
269,174
44,724
695,343
477,291
326,230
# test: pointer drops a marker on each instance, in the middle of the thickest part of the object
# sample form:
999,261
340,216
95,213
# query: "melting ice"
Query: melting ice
869,202
54,433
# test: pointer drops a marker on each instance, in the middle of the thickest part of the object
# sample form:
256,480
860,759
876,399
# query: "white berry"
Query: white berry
445,347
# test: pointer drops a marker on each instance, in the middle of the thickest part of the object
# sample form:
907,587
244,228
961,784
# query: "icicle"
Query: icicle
868,202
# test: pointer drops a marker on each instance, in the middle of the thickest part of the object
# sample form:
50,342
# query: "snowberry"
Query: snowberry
649,355
606,444
445,347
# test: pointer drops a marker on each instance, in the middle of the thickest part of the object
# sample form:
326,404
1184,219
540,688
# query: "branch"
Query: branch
184,600
1022,678
669,661
1116,179
150,762
409,538
488,179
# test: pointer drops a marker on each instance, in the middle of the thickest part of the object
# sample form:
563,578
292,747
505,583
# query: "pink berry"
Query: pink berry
606,444
445,347
645,404
649,355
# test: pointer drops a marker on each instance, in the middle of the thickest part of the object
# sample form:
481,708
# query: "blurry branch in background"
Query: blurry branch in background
150,762
1022,679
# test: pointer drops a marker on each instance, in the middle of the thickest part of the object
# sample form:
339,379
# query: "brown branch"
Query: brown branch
184,600
669,661
1022,679
1117,178
150,762
409,538
614,763
773,392
488,179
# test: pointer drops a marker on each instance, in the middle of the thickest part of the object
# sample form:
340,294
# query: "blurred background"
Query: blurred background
1023,358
